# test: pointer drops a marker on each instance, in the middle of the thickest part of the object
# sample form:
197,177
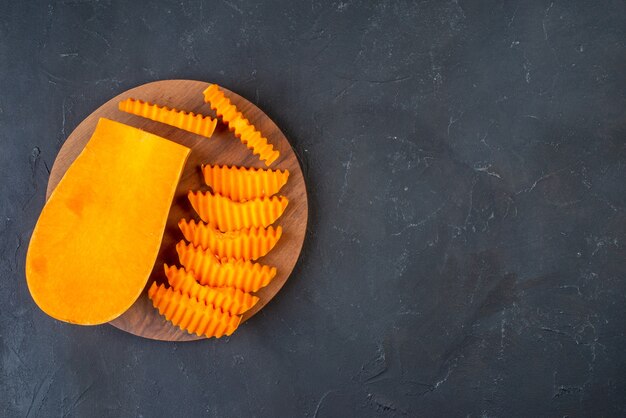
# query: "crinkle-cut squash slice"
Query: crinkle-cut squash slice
208,270
188,121
226,215
237,123
97,237
245,244
241,183
233,301
190,314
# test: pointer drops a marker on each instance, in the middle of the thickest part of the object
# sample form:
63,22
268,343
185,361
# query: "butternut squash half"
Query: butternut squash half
98,236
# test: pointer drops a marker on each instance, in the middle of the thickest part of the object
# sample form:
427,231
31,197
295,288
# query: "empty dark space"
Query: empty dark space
465,164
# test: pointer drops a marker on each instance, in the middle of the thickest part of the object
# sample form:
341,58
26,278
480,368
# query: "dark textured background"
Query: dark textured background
466,166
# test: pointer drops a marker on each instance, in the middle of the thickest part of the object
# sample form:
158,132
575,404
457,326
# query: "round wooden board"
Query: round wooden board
222,148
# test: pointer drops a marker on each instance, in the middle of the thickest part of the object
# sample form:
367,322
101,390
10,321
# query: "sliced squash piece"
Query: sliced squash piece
188,121
245,244
241,183
208,270
190,314
237,123
233,301
97,237
226,215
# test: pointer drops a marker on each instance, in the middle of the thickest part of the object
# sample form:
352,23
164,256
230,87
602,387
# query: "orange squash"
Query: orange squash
237,123
245,244
210,271
188,121
231,300
226,215
191,315
241,183
97,237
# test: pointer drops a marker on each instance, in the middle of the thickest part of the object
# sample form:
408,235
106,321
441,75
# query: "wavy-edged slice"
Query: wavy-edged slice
208,270
191,315
188,121
232,300
241,183
227,215
245,244
237,123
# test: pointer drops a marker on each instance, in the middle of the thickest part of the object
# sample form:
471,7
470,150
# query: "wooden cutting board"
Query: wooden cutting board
222,148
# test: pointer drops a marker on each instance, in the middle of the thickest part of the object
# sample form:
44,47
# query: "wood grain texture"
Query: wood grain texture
222,148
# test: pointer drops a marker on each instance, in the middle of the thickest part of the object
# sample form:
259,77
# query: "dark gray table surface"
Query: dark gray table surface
465,163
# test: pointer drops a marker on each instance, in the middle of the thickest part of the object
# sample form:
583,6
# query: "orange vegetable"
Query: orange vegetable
226,215
237,123
188,121
208,270
245,244
97,237
233,301
191,315
240,183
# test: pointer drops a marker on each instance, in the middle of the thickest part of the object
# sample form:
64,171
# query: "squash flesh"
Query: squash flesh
244,244
241,183
237,123
227,215
191,315
209,271
231,300
98,236
188,121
